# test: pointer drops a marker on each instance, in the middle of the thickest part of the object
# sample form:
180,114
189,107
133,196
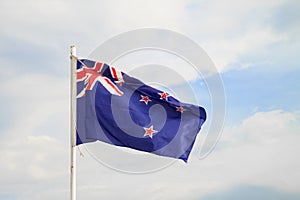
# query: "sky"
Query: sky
253,45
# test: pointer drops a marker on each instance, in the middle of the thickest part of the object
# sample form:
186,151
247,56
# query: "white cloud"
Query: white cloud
261,151
86,23
231,29
226,52
34,144
33,100
227,30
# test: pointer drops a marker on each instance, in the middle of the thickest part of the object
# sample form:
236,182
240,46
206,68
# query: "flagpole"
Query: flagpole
73,124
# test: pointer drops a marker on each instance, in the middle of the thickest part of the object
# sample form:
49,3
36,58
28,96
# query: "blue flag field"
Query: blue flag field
115,108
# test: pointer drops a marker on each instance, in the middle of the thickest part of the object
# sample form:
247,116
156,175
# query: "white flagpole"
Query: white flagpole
73,124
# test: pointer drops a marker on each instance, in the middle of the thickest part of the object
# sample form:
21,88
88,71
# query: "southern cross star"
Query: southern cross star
145,99
164,96
149,131
180,109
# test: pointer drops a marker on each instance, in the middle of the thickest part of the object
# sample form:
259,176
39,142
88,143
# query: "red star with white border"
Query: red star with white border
180,109
164,95
145,99
149,131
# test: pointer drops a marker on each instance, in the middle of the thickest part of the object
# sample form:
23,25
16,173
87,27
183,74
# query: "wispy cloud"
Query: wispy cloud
251,192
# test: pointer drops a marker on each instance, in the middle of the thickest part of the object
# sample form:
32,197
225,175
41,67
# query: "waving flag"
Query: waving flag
115,108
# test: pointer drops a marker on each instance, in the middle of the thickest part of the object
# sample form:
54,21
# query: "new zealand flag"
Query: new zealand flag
120,110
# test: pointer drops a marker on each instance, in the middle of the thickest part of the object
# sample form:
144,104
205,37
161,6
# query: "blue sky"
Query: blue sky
255,47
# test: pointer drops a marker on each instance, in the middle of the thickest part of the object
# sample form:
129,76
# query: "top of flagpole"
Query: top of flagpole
73,50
